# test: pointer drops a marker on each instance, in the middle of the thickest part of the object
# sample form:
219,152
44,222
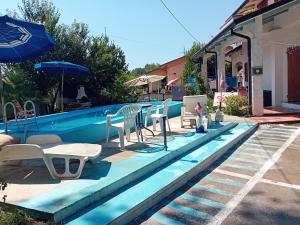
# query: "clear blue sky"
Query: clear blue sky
144,29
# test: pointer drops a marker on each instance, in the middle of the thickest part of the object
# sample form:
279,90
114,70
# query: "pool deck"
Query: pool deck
33,178
246,186
30,186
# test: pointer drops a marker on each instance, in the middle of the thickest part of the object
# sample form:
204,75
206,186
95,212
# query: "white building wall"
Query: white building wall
282,33
268,67
257,61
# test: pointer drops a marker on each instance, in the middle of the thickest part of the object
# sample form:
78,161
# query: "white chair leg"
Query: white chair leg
121,138
77,174
127,132
168,124
161,124
107,133
154,124
137,134
49,164
146,120
181,122
67,166
67,174
80,167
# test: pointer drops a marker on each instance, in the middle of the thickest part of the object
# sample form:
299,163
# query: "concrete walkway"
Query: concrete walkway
33,178
257,183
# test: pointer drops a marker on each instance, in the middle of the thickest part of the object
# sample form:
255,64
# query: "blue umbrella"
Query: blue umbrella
21,41
63,68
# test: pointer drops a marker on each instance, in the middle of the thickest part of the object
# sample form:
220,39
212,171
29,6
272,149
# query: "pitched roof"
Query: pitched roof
235,20
167,63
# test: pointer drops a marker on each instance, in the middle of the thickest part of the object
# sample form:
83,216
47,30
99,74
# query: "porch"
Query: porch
262,49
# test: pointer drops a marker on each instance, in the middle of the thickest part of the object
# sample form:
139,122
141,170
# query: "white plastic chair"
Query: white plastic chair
188,109
129,113
157,117
48,147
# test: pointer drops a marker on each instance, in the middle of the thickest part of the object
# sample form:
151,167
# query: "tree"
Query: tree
122,92
143,70
40,11
192,69
74,44
107,63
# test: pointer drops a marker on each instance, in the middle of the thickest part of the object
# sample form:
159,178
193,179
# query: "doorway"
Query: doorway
293,74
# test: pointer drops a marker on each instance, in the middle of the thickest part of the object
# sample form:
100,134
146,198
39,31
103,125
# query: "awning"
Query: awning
172,82
144,80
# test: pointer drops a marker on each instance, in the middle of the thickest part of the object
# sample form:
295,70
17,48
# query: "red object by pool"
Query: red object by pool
198,109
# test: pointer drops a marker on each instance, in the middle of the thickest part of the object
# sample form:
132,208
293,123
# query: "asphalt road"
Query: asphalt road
257,183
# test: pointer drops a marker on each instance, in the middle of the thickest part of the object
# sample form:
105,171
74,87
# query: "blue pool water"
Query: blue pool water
86,126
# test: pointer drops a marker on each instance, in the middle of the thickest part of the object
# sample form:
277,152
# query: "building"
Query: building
262,37
171,70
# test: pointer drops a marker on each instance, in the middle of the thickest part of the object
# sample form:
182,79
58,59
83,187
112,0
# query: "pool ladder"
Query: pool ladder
25,121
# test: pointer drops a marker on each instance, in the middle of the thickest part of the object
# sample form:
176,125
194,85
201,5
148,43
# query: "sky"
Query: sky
144,29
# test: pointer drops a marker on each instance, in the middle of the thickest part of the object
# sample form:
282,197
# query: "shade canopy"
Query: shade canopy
172,82
21,40
144,80
61,67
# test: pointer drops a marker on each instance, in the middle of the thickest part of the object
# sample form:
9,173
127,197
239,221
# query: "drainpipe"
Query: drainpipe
249,66
216,67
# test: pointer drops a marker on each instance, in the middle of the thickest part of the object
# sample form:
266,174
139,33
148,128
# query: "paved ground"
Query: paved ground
32,178
257,183
277,117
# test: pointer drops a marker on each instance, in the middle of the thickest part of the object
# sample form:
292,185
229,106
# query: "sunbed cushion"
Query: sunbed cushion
8,140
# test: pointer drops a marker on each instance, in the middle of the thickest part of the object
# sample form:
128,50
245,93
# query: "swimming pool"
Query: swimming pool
86,126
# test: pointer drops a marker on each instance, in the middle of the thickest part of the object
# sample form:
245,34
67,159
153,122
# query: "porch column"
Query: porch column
221,65
277,54
204,70
244,61
257,68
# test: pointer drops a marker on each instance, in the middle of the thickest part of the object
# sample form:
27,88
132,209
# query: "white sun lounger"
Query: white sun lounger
188,109
49,147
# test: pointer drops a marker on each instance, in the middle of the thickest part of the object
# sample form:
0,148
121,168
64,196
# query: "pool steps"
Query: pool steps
102,190
148,191
64,201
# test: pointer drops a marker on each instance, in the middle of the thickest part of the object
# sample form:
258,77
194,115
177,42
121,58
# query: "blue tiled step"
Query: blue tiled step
95,185
137,199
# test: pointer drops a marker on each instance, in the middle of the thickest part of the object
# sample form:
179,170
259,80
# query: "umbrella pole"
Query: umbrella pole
1,91
62,91
221,99
149,91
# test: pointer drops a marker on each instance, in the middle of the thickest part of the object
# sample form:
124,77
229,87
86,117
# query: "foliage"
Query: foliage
16,85
192,68
74,44
124,93
189,90
143,70
210,105
236,105
3,186
14,218
107,62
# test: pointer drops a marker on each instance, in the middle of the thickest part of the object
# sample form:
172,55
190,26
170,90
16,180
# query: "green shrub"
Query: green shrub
189,90
15,218
236,105
210,103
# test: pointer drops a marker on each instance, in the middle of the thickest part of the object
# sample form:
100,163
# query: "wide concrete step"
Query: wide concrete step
137,198
98,184
201,200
